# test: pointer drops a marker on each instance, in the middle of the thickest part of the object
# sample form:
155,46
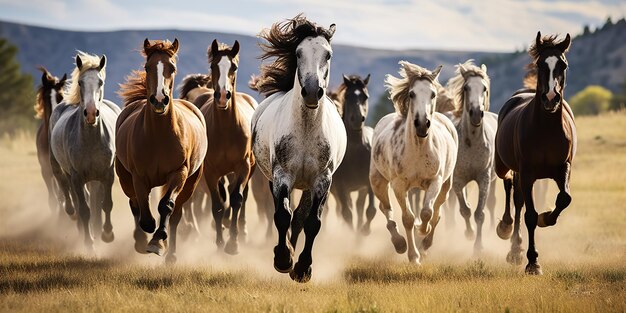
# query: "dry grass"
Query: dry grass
42,267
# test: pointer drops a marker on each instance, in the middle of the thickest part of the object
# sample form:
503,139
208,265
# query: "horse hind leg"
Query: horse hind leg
505,226
563,199
236,202
380,187
491,203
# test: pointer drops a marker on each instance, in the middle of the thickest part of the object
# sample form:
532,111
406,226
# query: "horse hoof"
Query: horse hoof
171,259
533,269
399,243
469,234
157,246
147,225
365,230
220,243
414,259
504,230
283,262
421,232
544,219
427,243
107,237
73,215
514,257
232,247
301,274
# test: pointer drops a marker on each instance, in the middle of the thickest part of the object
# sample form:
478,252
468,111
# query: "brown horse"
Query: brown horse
49,95
228,114
536,139
160,142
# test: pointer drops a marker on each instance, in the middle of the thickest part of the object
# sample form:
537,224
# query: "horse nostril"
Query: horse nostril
303,92
85,112
362,118
416,122
320,93
152,100
557,98
482,113
216,94
427,123
471,112
97,112
166,100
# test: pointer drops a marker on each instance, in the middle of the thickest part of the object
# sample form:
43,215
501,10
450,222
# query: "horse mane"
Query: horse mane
89,61
530,79
191,82
456,83
40,103
547,42
399,88
283,38
134,88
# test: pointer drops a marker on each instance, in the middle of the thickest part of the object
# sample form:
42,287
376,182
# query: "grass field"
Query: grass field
43,268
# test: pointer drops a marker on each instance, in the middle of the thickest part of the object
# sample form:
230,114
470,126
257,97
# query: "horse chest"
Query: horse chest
302,157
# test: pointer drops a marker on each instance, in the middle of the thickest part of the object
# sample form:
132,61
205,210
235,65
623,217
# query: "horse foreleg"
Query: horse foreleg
78,186
504,228
302,269
184,196
515,255
299,216
107,206
380,187
175,183
491,202
126,182
427,208
530,217
243,225
360,208
479,215
563,199
343,197
408,220
64,186
466,212
236,202
95,192
441,199
283,251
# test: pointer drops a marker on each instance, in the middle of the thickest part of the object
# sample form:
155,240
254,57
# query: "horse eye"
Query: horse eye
484,89
465,88
298,54
327,56
411,95
432,95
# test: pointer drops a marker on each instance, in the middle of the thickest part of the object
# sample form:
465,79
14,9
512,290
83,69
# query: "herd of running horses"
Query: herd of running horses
213,140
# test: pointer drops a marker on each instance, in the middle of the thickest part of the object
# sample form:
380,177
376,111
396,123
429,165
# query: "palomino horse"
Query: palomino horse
161,141
298,137
414,147
536,139
81,144
476,128
352,98
228,115
49,95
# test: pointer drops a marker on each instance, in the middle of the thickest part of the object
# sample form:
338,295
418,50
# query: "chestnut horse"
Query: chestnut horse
160,141
228,114
49,95
536,139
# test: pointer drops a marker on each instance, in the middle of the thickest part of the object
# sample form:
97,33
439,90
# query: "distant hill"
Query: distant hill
596,58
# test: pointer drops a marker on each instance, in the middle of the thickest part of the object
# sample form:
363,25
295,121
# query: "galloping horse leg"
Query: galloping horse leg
360,208
563,199
427,208
64,186
491,203
283,252
450,209
370,212
224,192
408,219
96,197
50,186
343,197
479,214
175,183
243,225
184,196
515,255
299,216
107,206
530,217
126,182
217,206
441,199
466,212
78,185
504,228
236,202
302,269
142,192
380,186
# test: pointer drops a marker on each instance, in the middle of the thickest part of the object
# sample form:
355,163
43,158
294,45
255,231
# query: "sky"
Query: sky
484,25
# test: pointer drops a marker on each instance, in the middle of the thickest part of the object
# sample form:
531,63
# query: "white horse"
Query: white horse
414,147
298,137
476,127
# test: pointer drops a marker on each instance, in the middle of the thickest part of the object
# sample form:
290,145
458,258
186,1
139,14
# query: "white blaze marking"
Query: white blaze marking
551,61
224,66
53,99
160,93
357,92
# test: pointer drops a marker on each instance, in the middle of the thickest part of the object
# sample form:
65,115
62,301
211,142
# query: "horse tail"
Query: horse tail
134,88
253,82
191,82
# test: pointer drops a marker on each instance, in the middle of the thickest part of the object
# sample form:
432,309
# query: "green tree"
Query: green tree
381,107
17,94
592,100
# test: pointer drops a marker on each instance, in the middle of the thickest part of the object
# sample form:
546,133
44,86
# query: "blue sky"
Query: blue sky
487,25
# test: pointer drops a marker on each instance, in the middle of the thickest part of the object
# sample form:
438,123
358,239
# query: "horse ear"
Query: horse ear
103,62
294,24
79,62
44,77
235,49
175,46
346,80
331,30
214,47
538,40
564,45
366,80
436,71
483,67
62,81
146,45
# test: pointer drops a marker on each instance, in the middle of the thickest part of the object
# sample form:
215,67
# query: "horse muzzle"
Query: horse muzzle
476,117
312,96
91,116
222,99
551,105
159,107
421,127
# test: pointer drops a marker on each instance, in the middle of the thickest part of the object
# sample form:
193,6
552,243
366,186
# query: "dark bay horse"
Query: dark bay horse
536,139
228,115
49,95
161,141
352,101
